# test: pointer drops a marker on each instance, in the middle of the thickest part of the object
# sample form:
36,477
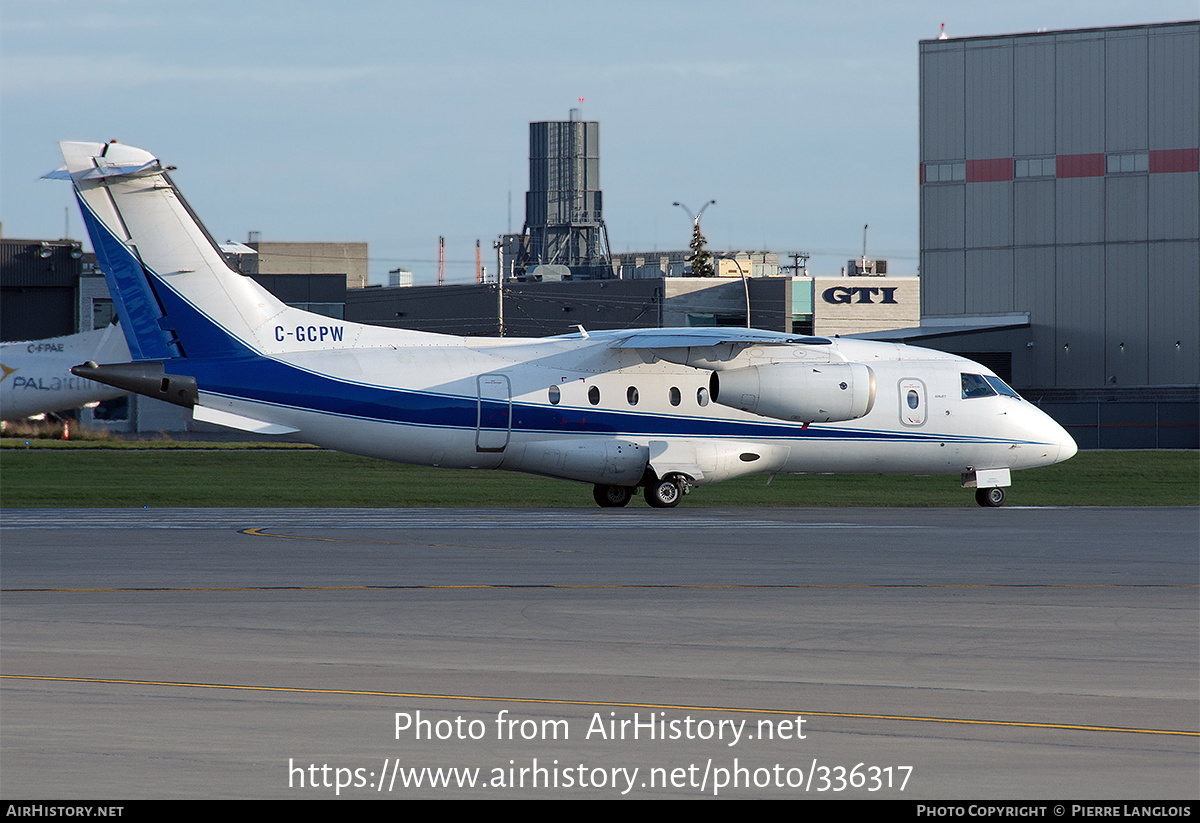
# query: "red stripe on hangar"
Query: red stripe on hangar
1079,165
990,171
1174,160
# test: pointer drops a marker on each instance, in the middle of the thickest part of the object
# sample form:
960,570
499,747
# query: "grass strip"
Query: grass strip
202,475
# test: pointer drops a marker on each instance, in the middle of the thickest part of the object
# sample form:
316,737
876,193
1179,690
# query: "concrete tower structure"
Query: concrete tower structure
564,227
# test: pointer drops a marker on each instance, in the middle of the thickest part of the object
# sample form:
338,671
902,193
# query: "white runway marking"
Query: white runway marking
393,519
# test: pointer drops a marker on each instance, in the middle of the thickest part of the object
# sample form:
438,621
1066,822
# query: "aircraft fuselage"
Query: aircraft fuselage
553,406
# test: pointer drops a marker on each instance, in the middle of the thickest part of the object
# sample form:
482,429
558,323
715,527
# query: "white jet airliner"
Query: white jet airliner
35,375
660,409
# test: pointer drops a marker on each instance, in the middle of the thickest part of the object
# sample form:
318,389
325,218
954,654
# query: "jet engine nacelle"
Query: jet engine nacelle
806,393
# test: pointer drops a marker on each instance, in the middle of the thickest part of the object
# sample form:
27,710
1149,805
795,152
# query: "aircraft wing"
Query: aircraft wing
706,348
710,336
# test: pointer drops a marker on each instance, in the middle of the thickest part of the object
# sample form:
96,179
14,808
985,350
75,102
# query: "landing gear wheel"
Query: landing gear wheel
992,498
611,497
664,494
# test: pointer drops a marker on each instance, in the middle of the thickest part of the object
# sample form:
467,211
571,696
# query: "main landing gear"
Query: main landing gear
992,498
660,494
611,497
664,494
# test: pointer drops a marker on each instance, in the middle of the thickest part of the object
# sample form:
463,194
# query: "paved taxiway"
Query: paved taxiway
1012,653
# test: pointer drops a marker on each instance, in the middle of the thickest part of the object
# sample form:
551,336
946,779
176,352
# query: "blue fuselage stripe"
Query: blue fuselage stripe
262,379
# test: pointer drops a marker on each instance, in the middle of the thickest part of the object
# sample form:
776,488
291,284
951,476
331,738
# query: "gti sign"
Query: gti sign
842,294
855,305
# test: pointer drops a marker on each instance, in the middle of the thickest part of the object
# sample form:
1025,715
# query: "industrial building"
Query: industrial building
349,260
794,305
1060,221
39,282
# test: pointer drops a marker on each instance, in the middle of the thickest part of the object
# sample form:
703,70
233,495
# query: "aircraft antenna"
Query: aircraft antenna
478,263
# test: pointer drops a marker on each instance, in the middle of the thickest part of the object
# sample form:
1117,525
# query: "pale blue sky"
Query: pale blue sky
396,122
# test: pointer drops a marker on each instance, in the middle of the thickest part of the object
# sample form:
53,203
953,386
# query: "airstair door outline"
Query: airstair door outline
494,419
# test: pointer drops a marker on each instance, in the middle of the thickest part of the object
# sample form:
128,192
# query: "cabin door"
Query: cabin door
494,419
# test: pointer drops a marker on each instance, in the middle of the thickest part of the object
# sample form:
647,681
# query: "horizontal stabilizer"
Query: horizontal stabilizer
106,171
207,414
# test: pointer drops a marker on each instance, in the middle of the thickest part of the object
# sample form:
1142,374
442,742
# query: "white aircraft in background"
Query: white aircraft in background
660,409
36,378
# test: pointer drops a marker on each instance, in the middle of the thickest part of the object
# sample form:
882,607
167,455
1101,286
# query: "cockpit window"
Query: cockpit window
973,385
985,385
1000,386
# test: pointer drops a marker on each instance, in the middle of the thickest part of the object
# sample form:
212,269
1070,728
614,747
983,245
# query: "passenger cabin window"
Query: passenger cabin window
702,396
631,394
912,402
594,395
555,395
676,397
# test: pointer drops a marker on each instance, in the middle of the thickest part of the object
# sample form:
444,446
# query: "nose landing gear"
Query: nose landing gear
991,498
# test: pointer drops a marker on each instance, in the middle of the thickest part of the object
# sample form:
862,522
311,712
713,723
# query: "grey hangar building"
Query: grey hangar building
1060,205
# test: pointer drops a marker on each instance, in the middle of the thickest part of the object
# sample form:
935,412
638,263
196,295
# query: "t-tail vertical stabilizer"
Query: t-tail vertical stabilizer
160,263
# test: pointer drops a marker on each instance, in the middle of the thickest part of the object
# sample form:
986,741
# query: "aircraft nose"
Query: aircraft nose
1066,445
1057,444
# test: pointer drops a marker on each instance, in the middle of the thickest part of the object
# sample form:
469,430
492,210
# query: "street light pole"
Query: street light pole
745,287
499,289
695,217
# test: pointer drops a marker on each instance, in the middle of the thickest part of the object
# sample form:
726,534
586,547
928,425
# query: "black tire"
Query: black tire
991,498
664,494
611,497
